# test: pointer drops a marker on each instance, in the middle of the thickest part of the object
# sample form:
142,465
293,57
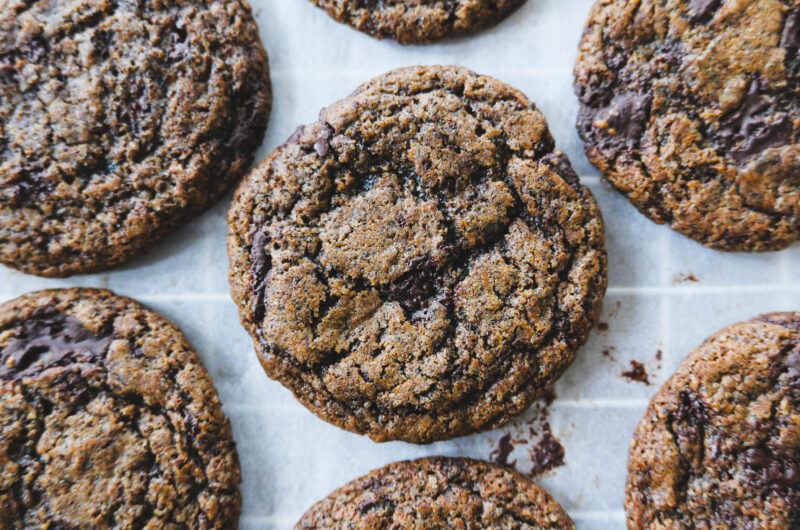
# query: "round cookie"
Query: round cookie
419,21
719,446
419,264
108,419
120,121
439,493
691,109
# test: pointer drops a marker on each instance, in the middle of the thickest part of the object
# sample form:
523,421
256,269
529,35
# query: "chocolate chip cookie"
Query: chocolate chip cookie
692,110
719,446
108,419
420,263
120,121
438,493
419,21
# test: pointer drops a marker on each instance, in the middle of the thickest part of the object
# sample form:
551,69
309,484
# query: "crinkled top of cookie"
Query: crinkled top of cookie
419,264
419,21
439,493
108,419
690,108
719,446
118,121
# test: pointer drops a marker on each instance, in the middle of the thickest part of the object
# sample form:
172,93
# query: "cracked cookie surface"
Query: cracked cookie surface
719,446
439,493
419,264
419,21
119,121
108,419
691,109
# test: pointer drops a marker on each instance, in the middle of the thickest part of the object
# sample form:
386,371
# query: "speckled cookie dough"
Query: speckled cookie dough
419,21
120,121
690,109
439,493
719,446
420,263
108,419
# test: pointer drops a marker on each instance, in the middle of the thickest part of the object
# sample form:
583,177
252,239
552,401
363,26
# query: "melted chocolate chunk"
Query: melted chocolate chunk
770,473
786,320
46,340
689,418
415,286
322,145
761,135
747,125
690,409
701,11
790,41
792,364
561,166
620,125
262,263
7,73
790,38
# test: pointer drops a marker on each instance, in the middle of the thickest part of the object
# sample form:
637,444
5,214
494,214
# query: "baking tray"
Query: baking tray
666,293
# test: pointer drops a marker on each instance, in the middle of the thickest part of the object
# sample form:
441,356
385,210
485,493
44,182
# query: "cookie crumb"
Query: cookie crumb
547,454
637,373
686,277
544,449
504,448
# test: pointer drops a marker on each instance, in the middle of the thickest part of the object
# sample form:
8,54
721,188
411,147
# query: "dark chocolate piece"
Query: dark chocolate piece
702,10
46,340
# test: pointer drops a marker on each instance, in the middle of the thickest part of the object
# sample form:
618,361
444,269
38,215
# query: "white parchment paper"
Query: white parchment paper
290,459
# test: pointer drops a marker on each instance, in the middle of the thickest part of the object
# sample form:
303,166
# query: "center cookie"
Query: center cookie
419,264
692,110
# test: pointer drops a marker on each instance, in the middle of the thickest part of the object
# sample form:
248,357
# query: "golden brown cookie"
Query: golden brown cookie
420,263
108,419
439,493
719,446
419,21
120,121
692,108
